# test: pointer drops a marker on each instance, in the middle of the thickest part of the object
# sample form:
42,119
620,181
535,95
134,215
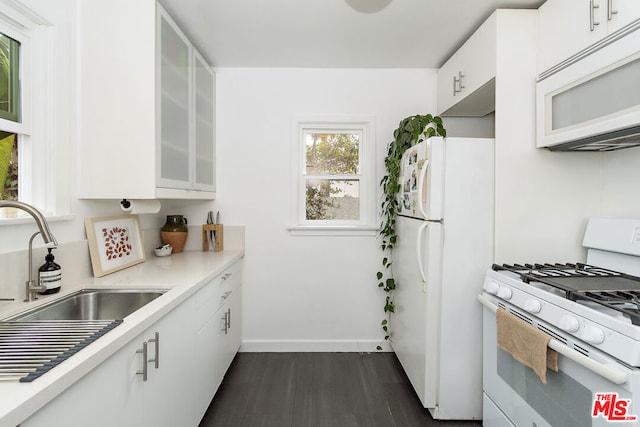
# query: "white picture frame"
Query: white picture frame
115,243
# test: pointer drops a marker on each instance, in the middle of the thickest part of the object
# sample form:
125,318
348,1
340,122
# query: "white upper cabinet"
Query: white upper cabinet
565,27
621,13
147,106
204,127
174,74
466,81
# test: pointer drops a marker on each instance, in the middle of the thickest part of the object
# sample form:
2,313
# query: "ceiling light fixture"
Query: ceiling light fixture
368,6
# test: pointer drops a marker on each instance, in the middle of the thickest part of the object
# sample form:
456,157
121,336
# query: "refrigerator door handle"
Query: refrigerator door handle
421,182
419,239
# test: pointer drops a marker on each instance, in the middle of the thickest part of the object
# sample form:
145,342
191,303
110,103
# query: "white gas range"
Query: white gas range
592,313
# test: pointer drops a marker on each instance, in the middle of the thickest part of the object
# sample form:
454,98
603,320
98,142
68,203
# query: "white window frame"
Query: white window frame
366,225
39,182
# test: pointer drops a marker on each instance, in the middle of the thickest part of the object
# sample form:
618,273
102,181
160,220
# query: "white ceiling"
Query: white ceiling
329,33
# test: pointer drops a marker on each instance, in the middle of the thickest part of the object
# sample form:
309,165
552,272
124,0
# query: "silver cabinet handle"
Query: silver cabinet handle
156,341
226,276
226,295
226,323
144,371
229,318
610,11
457,83
592,18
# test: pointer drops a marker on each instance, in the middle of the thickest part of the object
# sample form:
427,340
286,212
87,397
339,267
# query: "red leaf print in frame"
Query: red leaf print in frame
117,243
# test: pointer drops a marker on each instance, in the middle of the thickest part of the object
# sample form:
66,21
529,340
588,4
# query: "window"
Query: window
9,78
10,111
33,70
8,166
333,182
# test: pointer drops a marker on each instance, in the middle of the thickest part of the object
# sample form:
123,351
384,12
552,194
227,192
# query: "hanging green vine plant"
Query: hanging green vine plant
409,132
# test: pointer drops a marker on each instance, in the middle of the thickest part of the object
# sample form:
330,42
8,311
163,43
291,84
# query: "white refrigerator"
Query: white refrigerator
444,246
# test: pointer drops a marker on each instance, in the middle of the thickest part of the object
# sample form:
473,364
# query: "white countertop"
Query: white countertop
182,273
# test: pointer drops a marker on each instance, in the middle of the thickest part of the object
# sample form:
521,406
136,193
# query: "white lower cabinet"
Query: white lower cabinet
93,400
193,345
218,336
116,393
170,375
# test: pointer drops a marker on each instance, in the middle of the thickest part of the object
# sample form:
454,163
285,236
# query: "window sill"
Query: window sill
27,219
332,230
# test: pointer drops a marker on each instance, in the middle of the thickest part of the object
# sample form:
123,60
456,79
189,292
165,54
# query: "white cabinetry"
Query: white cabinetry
170,347
204,125
175,81
188,352
147,112
87,404
116,394
466,82
565,27
218,336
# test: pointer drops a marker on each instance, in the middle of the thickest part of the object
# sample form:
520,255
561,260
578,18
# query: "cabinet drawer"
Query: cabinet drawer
213,295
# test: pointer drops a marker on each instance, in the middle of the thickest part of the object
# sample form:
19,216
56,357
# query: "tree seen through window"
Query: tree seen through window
332,178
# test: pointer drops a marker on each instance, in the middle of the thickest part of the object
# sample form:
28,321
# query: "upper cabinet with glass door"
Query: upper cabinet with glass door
204,127
175,77
147,116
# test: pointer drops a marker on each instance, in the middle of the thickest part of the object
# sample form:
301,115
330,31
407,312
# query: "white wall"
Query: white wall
543,199
621,184
303,292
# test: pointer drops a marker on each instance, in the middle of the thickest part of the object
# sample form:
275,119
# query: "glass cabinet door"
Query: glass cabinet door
174,74
204,125
612,92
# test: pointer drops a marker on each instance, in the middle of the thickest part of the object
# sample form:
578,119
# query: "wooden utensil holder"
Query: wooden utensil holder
218,232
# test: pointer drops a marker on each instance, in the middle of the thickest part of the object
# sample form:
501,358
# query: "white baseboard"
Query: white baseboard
296,346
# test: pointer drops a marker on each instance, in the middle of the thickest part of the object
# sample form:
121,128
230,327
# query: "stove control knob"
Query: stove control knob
491,287
532,305
593,334
569,323
505,292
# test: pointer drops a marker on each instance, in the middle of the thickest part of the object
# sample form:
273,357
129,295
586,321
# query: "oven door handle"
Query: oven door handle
614,375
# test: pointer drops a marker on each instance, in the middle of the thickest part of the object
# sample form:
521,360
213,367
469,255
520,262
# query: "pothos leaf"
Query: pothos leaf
409,131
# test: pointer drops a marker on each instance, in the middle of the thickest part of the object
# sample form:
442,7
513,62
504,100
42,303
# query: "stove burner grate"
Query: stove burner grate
612,289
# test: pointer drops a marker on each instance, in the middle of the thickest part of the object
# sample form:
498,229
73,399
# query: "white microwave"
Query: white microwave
591,102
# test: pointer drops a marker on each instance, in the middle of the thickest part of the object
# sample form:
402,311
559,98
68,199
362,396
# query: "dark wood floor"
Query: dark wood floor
318,390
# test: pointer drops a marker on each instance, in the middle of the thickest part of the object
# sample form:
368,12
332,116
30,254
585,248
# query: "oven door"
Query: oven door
568,397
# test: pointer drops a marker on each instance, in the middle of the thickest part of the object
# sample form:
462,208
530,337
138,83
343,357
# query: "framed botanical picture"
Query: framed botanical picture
115,242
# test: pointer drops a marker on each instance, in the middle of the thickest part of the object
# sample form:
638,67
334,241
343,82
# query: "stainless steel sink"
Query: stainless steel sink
92,304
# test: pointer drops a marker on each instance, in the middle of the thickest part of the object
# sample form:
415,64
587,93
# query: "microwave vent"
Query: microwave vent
610,141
